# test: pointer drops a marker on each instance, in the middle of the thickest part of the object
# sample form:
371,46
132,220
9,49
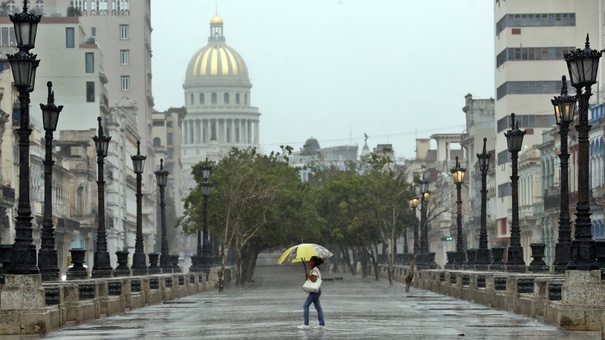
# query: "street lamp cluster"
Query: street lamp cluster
458,176
582,66
162,179
139,263
482,258
514,139
24,65
425,259
202,261
102,266
47,257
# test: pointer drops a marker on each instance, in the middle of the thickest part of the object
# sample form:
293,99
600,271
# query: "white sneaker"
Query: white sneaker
321,327
303,326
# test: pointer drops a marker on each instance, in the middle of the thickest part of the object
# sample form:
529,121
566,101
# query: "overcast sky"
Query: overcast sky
396,70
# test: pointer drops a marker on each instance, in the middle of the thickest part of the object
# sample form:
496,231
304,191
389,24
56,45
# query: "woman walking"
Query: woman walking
313,298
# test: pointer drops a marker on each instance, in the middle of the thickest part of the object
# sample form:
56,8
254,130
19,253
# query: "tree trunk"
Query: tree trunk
375,262
250,254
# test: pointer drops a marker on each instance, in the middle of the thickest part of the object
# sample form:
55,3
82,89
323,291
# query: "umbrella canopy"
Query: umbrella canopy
302,252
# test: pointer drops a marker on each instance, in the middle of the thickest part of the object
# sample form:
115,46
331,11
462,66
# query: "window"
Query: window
124,32
202,99
93,32
237,98
80,201
169,138
90,62
125,83
124,57
7,37
191,101
214,98
70,38
121,5
90,91
79,4
226,98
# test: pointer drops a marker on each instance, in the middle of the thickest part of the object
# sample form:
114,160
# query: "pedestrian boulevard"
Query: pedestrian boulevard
354,308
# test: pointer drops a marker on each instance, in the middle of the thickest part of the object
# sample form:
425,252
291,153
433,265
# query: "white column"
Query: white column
183,132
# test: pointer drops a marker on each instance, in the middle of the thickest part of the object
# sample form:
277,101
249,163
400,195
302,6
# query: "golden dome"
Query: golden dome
216,20
217,61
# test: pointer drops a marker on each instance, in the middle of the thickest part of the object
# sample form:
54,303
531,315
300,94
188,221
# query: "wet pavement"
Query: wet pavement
354,308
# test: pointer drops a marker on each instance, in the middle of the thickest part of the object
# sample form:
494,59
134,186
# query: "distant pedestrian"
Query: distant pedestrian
313,298
410,276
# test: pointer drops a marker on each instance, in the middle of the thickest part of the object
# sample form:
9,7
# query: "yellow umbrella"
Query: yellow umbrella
302,252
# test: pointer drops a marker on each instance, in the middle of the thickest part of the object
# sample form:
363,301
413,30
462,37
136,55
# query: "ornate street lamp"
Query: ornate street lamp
206,252
514,139
422,260
162,179
583,66
202,260
458,176
23,65
482,259
102,266
139,261
47,257
414,204
565,110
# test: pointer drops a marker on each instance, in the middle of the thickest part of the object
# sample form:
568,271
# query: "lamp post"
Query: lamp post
23,65
414,205
514,139
201,261
47,257
565,110
424,243
162,179
101,267
583,66
482,259
139,262
458,176
206,252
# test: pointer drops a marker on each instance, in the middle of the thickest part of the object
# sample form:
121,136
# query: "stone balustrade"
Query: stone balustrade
572,301
30,306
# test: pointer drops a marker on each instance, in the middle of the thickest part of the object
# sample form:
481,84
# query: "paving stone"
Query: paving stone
354,308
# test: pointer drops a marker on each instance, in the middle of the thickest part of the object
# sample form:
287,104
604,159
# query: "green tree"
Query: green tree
253,204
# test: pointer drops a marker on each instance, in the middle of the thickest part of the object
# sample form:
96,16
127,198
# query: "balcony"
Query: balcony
104,103
526,212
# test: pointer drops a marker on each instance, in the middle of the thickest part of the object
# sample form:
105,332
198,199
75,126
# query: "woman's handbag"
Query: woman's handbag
312,287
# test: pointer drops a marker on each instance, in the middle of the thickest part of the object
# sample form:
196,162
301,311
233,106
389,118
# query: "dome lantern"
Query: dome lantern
217,60
216,29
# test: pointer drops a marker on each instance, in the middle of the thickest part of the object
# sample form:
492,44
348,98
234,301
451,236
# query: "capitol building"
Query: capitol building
217,98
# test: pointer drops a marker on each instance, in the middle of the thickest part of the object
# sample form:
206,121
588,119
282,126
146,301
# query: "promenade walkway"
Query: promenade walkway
354,308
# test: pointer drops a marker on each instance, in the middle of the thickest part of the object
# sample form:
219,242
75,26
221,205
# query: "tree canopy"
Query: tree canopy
258,203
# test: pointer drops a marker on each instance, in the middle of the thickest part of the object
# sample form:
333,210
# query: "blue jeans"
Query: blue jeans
313,298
